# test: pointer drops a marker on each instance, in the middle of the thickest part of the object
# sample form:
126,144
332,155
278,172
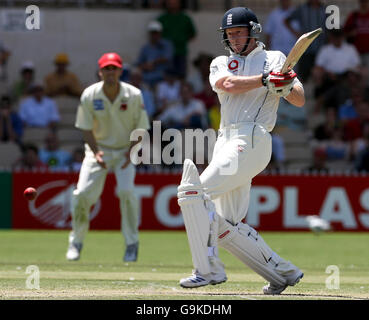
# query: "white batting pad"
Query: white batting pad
200,221
248,246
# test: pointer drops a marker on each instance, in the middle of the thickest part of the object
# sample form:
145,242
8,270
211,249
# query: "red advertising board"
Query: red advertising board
277,203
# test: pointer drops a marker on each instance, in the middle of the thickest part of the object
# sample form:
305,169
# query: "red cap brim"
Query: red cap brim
110,63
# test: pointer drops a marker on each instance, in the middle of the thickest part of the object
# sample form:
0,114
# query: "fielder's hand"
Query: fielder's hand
128,160
280,84
99,158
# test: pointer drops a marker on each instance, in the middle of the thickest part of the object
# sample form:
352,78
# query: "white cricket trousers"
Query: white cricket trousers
241,152
90,186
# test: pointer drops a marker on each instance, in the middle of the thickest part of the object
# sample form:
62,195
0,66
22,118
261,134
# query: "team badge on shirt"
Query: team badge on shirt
233,65
123,106
98,104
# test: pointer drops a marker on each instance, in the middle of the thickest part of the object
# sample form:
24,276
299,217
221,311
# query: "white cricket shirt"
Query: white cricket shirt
257,105
112,123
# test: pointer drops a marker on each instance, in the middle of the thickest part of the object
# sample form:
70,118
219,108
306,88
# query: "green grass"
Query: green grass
164,258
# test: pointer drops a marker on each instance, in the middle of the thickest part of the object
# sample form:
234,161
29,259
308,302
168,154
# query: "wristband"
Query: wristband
263,78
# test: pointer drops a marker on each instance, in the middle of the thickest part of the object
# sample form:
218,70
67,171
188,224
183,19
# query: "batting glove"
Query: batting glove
278,83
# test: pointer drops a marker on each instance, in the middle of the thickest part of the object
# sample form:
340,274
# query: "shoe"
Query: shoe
274,289
131,253
74,251
198,280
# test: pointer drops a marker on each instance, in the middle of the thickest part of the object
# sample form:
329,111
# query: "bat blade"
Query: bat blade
299,48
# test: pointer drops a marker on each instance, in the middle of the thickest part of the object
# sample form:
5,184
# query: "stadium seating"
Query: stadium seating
10,152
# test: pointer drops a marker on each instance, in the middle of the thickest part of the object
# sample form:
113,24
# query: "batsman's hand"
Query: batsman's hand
99,158
280,84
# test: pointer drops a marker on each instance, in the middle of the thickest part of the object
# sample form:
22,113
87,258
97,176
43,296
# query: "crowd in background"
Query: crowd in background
335,65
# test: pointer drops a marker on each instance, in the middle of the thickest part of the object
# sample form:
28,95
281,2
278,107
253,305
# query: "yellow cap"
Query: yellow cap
61,58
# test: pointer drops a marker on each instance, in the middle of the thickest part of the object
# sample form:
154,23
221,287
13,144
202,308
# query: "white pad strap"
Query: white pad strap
248,246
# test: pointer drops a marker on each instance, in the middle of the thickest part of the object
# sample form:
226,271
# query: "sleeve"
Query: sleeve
141,57
294,15
22,111
169,50
321,58
141,117
269,24
17,124
54,114
356,61
191,28
84,119
218,70
349,24
75,85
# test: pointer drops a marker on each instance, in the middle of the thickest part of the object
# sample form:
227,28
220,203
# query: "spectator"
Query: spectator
332,63
336,57
54,157
336,148
61,81
361,150
278,152
325,130
347,110
147,95
187,113
200,77
4,56
353,128
38,110
278,36
168,90
22,87
179,28
319,162
357,31
77,159
339,94
11,127
208,96
214,117
156,56
30,159
310,16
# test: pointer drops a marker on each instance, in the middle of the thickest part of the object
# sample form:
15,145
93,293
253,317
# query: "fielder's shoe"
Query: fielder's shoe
74,251
131,252
278,289
198,280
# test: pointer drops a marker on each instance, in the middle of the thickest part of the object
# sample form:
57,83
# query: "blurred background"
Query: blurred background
47,69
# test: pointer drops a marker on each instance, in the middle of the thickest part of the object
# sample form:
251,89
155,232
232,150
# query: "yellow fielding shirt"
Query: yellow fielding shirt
112,123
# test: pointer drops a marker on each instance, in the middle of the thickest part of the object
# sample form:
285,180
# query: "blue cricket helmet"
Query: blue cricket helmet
240,17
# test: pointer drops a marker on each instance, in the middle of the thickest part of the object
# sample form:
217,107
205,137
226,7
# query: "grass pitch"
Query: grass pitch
164,258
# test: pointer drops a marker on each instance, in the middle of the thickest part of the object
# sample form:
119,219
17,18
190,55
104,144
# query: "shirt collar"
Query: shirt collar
101,95
259,47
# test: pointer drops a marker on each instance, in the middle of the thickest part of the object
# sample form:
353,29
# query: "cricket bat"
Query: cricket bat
299,48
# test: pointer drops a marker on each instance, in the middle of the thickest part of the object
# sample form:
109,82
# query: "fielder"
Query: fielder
214,204
108,112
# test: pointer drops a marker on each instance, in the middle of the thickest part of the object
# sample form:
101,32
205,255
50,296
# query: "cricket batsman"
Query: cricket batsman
108,112
249,86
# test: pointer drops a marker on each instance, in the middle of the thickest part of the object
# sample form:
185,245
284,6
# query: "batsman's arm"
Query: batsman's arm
239,84
296,96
